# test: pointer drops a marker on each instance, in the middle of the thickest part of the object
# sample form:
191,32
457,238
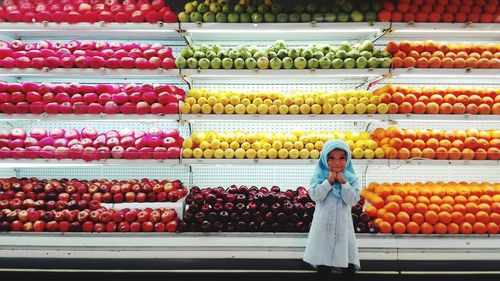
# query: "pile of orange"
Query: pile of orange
439,100
468,144
430,54
434,207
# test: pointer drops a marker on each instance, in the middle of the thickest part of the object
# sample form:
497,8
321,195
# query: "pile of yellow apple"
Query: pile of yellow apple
203,101
297,144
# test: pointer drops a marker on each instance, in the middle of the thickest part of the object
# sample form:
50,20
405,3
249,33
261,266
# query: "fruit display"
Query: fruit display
90,145
253,209
85,54
60,194
98,220
202,101
38,98
434,207
458,11
90,11
471,144
297,144
430,54
439,100
269,11
279,56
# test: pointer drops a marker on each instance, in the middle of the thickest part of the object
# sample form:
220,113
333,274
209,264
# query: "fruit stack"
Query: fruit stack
297,144
279,56
434,207
253,209
470,144
270,11
85,54
37,98
458,11
71,205
90,145
430,54
90,11
439,100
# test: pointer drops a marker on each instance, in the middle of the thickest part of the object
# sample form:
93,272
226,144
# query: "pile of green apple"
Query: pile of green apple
297,144
270,11
279,56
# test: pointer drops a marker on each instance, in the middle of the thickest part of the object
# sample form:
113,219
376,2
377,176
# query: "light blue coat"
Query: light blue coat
331,240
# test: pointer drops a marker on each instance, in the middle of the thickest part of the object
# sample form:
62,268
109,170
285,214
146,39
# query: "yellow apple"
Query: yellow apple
234,145
342,101
229,153
277,144
288,101
338,109
293,153
288,145
304,154
224,100
349,108
197,152
353,101
272,153
298,101
195,108
327,108
190,100
357,153
283,153
240,109
283,109
208,153
187,143
309,146
202,101
224,145
318,145
273,109
375,99
218,108
298,145
266,145
371,108
278,103
360,108
314,154
382,108
246,145
368,154
262,154
212,100
204,145
293,109
219,153
245,102
268,102
371,144
305,109
185,108
251,153
364,100
239,153
229,109
215,144
256,145
206,109
187,153
234,100
309,101
251,109
379,153
262,108
257,101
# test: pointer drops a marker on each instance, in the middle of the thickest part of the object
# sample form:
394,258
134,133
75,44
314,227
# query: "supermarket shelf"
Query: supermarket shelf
45,163
89,73
282,74
458,76
104,31
340,117
196,250
360,162
90,117
311,31
448,31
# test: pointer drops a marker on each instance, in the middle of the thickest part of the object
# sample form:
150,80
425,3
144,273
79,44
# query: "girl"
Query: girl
334,188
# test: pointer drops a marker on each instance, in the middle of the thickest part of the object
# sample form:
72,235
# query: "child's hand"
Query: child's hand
332,177
340,178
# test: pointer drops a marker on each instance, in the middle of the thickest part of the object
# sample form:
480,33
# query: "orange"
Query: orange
457,217
483,217
436,200
431,217
403,217
479,228
371,211
434,207
470,218
440,228
392,207
461,199
446,207
427,228
492,228
385,227
417,218
466,228
408,208
473,199
389,217
485,198
453,228
423,200
428,153
472,207
449,199
413,228
445,217
392,47
380,213
395,198
399,228
495,217
411,198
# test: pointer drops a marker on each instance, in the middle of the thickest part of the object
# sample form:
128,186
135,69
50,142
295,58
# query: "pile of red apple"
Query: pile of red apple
90,145
430,54
91,11
37,98
253,209
85,54
99,220
484,11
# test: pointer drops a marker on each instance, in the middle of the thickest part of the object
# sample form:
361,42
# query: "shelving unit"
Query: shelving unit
32,249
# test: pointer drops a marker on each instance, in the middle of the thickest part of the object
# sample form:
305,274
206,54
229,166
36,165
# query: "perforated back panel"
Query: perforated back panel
290,176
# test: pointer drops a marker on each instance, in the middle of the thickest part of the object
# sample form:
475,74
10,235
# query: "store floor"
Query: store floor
143,276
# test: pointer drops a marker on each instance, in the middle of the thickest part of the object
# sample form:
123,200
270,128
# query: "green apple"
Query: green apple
183,17
211,55
366,54
385,62
312,63
349,63
370,16
307,54
282,54
357,16
186,52
239,63
250,63
347,7
275,63
298,9
376,6
287,63
203,8
221,17
239,8
345,46
342,17
259,54
257,18
215,8
367,45
361,62
262,9
244,54
233,54
226,9
374,62
227,63
189,7
251,9
341,54
209,17
281,18
324,63
300,63
263,63
318,17
318,55
293,53
204,63
271,55
216,48
268,17
216,63
180,63
198,55
294,18
305,17
330,55
222,54
353,54
196,17
192,63
276,8
233,18
311,8
245,18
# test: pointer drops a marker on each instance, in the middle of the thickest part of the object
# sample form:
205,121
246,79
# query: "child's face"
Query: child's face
337,160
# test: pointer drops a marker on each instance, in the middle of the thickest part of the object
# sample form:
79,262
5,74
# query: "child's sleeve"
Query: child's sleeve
320,191
349,194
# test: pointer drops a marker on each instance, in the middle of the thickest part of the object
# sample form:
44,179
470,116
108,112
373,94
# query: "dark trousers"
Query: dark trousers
325,272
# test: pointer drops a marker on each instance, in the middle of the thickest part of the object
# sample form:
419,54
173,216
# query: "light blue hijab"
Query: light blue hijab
322,171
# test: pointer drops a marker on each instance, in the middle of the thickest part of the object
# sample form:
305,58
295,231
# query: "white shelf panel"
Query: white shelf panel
311,31
267,246
282,74
90,117
85,73
38,163
361,162
128,31
443,117
443,31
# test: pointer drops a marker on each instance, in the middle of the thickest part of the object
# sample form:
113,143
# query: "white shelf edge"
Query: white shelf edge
284,73
28,163
401,30
445,73
90,72
308,26
90,117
